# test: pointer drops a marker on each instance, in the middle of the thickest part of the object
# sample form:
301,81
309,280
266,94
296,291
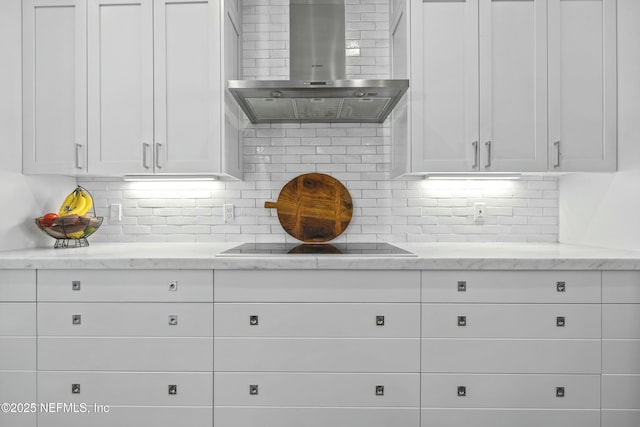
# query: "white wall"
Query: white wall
604,209
23,198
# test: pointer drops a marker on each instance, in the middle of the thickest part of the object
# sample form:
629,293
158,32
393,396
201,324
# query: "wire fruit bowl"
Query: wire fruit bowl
71,230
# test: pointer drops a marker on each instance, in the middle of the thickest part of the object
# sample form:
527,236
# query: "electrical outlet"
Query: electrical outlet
115,213
479,212
228,212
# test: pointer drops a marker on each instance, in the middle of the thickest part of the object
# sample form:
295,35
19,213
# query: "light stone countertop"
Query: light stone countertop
430,256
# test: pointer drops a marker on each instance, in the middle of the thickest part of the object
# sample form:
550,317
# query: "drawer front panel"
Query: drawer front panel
317,320
510,418
317,355
316,286
511,321
127,388
621,321
17,319
511,286
621,392
511,391
125,285
621,287
125,354
17,387
15,419
126,319
18,285
132,416
620,418
22,353
511,356
312,389
621,356
315,417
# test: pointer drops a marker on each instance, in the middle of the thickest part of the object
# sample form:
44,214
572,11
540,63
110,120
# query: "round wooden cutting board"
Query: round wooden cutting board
313,207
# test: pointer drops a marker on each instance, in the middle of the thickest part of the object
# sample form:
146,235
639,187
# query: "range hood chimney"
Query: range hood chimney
318,90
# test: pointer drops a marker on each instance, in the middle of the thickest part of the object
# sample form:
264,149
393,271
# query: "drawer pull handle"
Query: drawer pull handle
173,285
173,389
75,388
560,321
561,286
559,391
462,320
173,319
379,390
462,391
462,286
379,320
253,389
253,320
76,319
75,285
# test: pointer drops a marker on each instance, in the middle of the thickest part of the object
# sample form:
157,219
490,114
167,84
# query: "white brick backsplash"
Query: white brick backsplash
358,154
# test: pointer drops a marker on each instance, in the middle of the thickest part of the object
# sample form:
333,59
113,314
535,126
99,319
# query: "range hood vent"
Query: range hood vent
319,90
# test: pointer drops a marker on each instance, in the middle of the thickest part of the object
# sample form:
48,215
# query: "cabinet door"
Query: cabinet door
55,86
511,417
186,75
582,85
513,85
120,86
444,80
400,139
19,390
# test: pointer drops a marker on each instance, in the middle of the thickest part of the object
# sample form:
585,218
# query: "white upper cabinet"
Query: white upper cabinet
502,85
582,85
130,87
54,86
232,148
478,79
120,53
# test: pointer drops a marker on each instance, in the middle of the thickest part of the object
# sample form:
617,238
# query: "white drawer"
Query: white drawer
317,390
17,318
511,320
511,391
621,287
368,320
125,285
510,418
511,286
621,392
511,356
316,286
620,356
621,321
620,418
315,417
126,319
17,387
127,388
13,419
22,353
125,354
17,285
317,354
132,416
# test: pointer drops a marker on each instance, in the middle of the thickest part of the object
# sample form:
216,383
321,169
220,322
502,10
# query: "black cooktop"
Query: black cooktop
352,249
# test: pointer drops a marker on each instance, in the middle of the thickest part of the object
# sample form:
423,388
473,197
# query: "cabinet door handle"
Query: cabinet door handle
560,321
379,320
158,155
145,155
476,152
488,162
559,391
75,388
253,320
556,144
173,319
79,162
462,320
253,389
462,391
379,390
76,319
173,389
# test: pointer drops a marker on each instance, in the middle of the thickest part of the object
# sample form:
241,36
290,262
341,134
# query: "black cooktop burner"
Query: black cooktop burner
352,249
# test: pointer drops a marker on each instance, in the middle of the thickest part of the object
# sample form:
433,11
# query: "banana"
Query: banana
79,202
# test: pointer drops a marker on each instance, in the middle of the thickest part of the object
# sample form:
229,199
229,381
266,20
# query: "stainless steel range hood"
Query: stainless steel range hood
319,90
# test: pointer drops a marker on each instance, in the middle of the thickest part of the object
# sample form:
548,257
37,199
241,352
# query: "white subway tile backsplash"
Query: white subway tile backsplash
357,154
